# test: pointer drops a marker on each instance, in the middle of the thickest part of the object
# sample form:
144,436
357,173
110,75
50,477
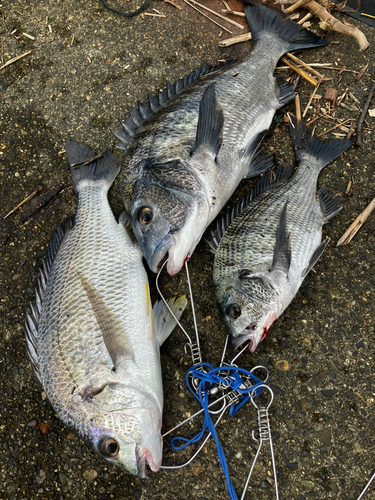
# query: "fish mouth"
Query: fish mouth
161,252
143,458
246,334
242,338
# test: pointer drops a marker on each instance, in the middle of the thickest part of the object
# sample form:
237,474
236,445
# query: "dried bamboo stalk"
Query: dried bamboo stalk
357,224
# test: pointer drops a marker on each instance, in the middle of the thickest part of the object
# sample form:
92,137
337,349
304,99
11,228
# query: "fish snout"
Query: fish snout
145,456
160,253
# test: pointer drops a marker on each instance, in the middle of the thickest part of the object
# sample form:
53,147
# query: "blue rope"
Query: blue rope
208,380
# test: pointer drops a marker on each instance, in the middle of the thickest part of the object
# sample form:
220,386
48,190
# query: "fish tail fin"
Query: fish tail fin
265,19
85,165
306,143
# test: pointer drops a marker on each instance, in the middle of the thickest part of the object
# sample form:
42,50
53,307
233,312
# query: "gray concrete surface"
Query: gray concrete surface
86,66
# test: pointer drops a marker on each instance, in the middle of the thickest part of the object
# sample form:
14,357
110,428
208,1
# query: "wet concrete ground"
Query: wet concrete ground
85,67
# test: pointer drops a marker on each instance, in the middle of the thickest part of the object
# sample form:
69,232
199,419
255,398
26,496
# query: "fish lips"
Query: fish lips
160,252
242,338
145,456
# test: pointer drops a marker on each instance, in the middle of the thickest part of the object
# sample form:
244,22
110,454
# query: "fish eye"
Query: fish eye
234,311
108,447
145,216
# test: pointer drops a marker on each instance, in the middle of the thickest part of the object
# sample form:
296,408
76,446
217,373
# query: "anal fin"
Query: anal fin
164,321
328,204
316,256
282,254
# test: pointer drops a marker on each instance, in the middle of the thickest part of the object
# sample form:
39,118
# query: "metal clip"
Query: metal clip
264,435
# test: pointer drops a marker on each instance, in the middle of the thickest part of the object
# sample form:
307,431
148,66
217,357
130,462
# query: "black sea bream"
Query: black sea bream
188,148
93,337
273,241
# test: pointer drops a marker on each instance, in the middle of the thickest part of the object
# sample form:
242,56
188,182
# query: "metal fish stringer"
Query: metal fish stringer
195,349
264,435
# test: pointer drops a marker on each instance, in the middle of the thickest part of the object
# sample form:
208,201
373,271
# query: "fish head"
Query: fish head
168,212
249,306
128,433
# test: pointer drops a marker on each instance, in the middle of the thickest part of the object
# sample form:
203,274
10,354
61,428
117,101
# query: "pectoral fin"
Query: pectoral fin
282,254
163,319
114,336
210,123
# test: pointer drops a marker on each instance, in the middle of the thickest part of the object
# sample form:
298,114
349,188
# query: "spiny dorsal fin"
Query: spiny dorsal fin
265,183
210,123
316,256
329,205
282,254
115,338
32,317
145,110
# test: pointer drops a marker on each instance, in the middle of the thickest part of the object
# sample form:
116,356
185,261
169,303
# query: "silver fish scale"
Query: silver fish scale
71,351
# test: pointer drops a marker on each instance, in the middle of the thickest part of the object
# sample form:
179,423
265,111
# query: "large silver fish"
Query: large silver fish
189,147
272,239
93,337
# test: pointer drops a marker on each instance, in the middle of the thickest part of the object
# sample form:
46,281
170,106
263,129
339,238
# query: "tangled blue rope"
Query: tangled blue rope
228,377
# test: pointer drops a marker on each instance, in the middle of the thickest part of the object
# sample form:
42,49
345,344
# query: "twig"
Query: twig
297,5
233,12
301,72
87,161
306,18
311,99
353,228
23,202
298,108
361,72
235,39
153,15
208,17
363,115
15,59
304,65
334,128
312,121
174,4
328,22
217,14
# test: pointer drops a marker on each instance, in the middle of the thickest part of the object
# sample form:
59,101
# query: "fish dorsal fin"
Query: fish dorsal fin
32,317
316,256
265,183
145,110
210,123
115,338
282,254
163,319
329,205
